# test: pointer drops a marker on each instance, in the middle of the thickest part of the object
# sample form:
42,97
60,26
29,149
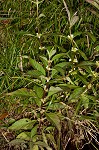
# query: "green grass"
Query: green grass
49,74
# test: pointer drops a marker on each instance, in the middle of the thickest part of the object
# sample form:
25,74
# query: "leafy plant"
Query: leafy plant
55,75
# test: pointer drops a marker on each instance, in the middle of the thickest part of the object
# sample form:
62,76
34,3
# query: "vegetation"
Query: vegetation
49,74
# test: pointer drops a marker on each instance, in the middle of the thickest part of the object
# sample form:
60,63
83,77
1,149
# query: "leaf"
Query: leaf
54,119
76,93
24,136
59,69
67,86
63,64
53,90
91,36
44,138
51,52
82,79
86,63
56,57
73,20
17,142
34,73
97,48
52,140
55,106
41,15
22,92
4,115
94,3
42,144
44,60
39,91
35,147
85,101
37,66
83,54
21,124
34,131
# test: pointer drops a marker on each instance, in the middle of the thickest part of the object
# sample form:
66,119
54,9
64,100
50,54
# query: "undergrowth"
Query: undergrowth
49,74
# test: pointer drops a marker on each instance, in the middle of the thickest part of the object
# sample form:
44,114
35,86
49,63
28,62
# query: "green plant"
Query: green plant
61,85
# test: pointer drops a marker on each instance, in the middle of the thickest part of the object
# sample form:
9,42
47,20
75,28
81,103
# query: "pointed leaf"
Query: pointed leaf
42,144
83,54
54,119
39,91
23,92
85,101
56,57
35,147
54,90
76,93
21,124
24,136
37,66
44,60
34,73
86,63
34,131
52,140
67,86
17,142
51,52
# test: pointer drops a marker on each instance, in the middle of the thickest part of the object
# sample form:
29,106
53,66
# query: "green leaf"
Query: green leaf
91,36
17,142
54,119
67,86
56,106
76,93
34,131
22,124
97,48
86,63
37,66
42,144
51,52
59,69
44,138
63,64
53,90
44,60
85,101
23,92
57,56
83,54
82,79
24,136
39,91
34,73
52,140
35,147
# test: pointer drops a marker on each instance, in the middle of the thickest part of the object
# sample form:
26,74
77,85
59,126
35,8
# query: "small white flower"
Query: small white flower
38,35
95,74
75,60
97,63
42,48
70,59
74,49
70,37
48,68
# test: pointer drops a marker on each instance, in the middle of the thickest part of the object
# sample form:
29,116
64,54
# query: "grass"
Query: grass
49,75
